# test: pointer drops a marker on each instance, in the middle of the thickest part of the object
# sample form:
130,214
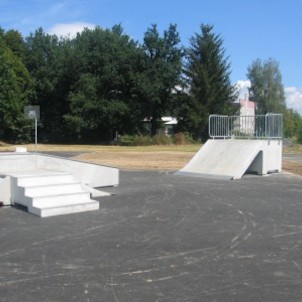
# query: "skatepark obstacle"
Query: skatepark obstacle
50,185
239,144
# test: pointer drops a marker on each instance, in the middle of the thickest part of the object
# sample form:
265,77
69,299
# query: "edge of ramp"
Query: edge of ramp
203,175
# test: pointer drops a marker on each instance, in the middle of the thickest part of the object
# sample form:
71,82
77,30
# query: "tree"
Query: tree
42,61
266,86
292,125
100,98
207,73
15,91
159,73
15,42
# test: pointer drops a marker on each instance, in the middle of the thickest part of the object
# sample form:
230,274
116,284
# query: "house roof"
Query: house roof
167,120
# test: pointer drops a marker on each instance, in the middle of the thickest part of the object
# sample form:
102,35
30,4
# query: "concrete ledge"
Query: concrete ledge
88,173
92,174
5,192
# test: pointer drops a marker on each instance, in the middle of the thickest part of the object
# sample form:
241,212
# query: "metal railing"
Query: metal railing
268,126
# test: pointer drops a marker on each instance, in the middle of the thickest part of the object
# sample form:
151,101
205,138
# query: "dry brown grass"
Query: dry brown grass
165,160
100,148
293,167
295,148
172,157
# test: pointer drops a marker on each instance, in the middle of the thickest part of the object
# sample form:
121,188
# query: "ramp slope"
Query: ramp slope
228,159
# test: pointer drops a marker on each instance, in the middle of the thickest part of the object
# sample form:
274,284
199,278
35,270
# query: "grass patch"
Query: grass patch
98,148
293,167
295,148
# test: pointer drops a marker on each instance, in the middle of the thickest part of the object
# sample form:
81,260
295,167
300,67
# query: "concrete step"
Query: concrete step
51,193
66,209
59,200
44,179
56,189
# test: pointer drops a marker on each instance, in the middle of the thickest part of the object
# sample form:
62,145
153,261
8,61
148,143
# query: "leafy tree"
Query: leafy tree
292,124
158,75
266,86
100,99
207,73
15,42
92,116
15,91
47,63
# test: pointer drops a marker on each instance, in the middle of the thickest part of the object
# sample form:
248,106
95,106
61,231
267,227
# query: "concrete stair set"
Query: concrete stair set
50,193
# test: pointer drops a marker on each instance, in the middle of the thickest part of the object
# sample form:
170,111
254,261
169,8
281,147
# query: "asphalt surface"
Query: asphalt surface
162,238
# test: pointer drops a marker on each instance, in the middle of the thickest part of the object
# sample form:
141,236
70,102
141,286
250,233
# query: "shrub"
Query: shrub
159,139
126,140
183,138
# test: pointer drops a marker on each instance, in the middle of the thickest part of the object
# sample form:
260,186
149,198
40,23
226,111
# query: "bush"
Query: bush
126,140
159,139
135,140
182,138
141,140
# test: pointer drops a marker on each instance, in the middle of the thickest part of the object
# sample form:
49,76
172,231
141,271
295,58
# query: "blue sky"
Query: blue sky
250,29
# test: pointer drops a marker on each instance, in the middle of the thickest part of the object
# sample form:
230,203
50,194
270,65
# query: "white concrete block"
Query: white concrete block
58,188
35,180
21,149
60,200
5,190
63,210
49,185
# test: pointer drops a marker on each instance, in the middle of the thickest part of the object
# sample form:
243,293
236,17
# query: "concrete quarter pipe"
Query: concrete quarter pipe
231,158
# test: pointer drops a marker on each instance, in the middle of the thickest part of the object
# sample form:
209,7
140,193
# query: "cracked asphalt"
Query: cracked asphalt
162,237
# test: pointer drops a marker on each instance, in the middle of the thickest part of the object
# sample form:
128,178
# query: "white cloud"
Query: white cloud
242,88
293,97
69,29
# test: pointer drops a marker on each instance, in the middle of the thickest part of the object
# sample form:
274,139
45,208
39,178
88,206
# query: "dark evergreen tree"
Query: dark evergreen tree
207,73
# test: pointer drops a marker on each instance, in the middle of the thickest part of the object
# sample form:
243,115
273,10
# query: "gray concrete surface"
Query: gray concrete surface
162,238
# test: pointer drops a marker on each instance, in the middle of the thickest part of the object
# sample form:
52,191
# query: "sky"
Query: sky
250,29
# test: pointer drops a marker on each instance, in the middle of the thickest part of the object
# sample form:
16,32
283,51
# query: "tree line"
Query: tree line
103,82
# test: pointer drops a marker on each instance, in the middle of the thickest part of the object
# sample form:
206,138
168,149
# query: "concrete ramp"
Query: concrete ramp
230,158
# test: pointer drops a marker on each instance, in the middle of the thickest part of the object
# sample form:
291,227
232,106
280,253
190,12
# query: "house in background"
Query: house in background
246,119
245,123
168,124
247,108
